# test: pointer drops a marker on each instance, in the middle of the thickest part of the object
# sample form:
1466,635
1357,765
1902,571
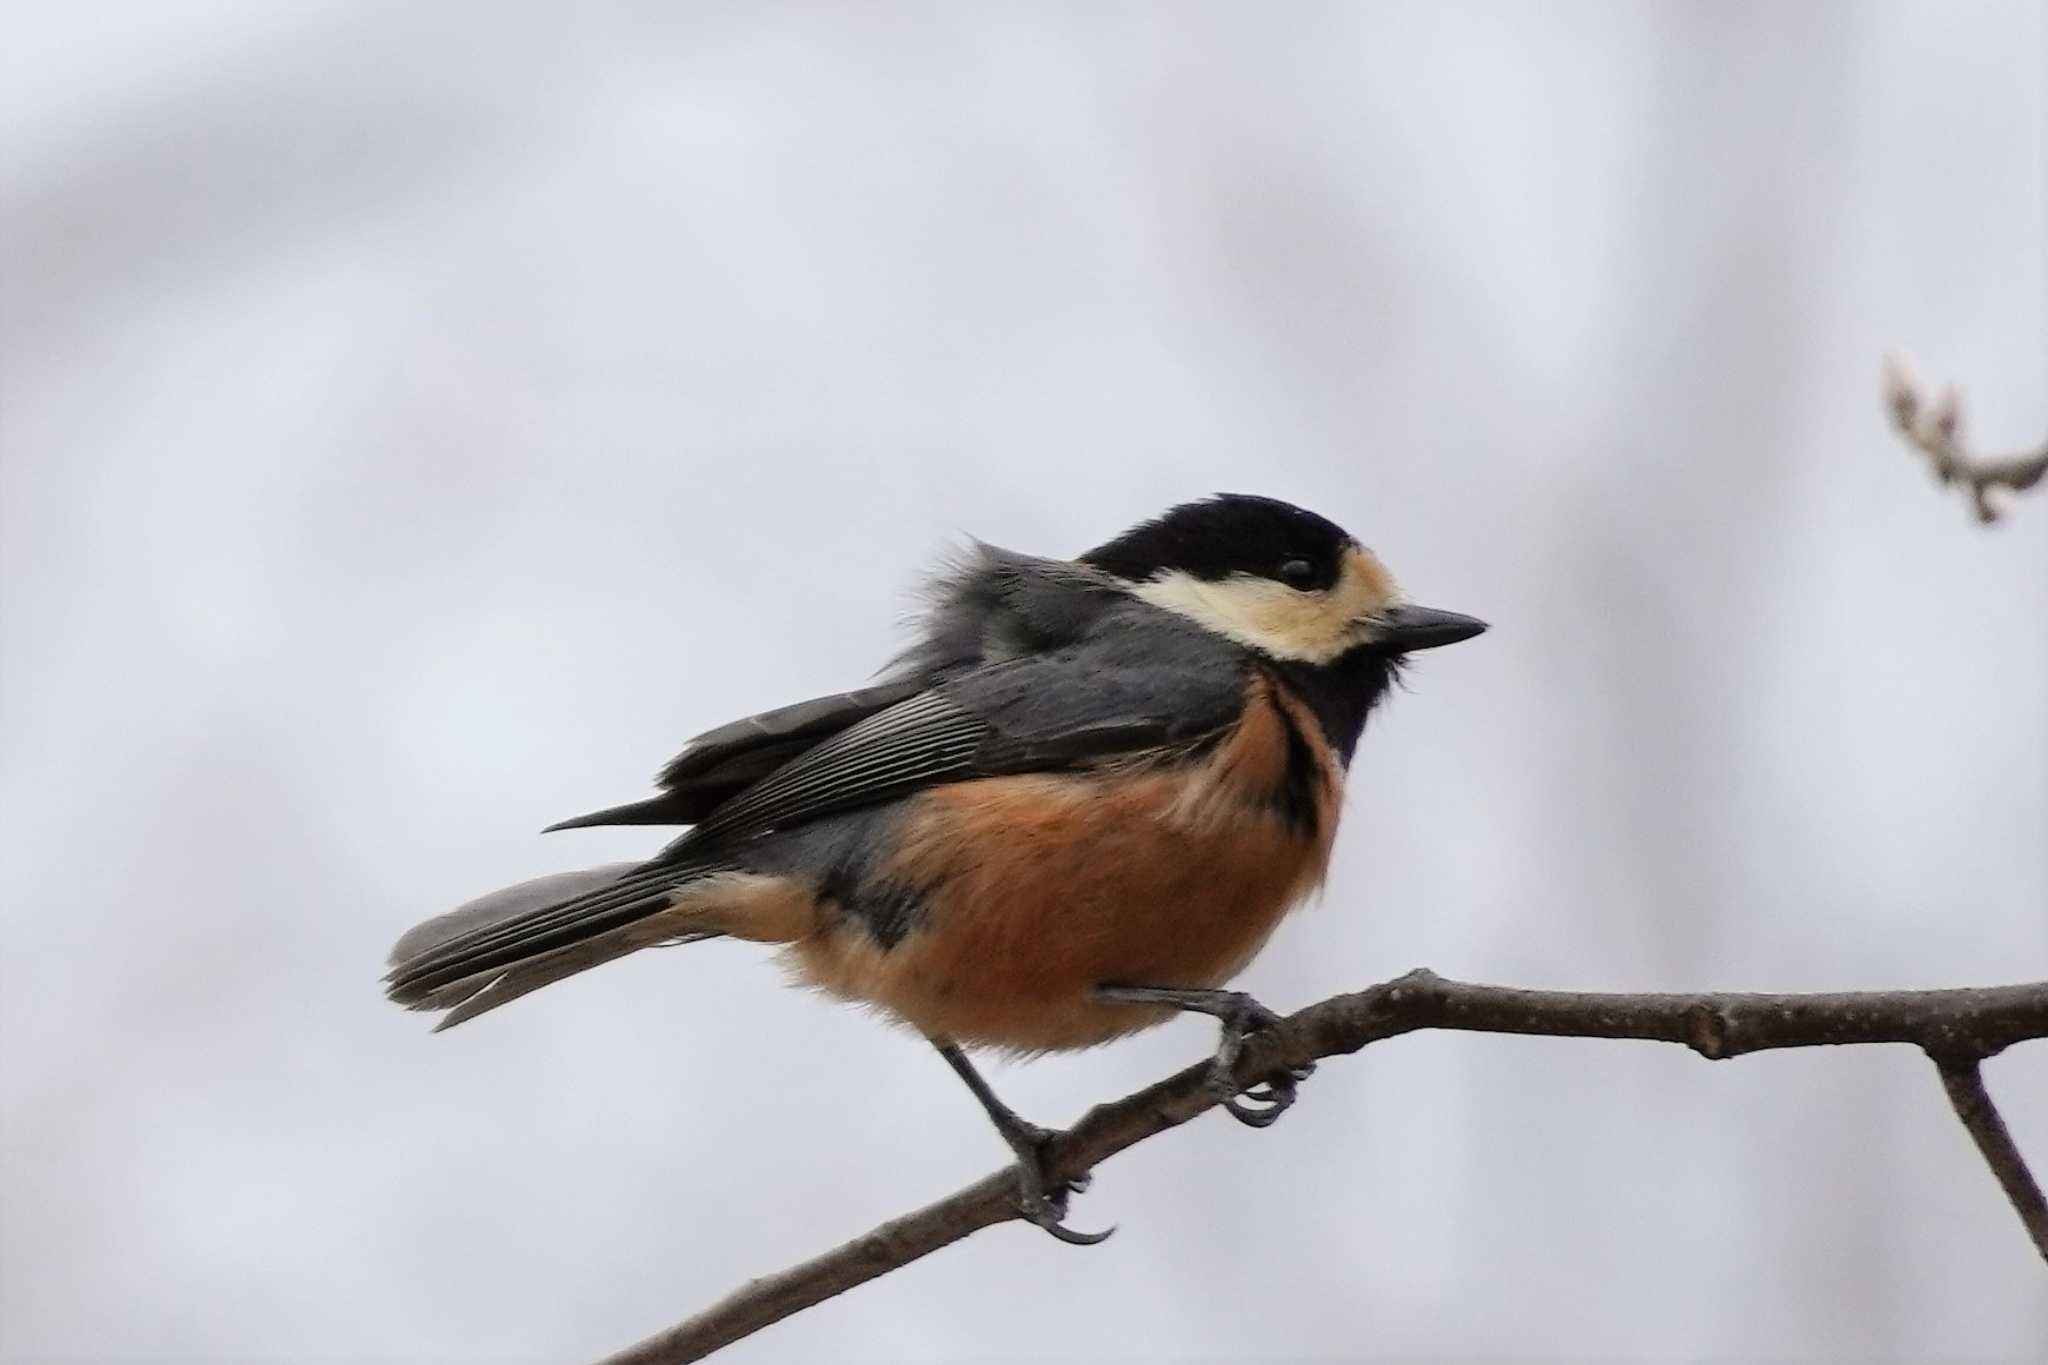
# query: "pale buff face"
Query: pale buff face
1312,627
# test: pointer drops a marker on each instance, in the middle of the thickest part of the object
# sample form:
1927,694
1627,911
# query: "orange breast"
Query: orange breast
1037,889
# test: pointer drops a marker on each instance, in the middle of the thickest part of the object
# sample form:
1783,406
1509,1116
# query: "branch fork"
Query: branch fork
1957,1029
1934,428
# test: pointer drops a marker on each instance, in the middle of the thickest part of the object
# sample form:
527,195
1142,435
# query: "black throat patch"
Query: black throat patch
1295,797
1341,693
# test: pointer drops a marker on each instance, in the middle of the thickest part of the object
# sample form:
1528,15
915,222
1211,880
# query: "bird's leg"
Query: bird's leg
1240,1015
1040,1206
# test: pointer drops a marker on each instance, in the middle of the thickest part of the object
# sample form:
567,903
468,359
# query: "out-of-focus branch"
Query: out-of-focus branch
1957,1028
1935,430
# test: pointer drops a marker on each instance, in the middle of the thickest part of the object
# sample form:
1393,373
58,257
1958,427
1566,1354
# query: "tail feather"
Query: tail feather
490,911
483,993
510,936
501,946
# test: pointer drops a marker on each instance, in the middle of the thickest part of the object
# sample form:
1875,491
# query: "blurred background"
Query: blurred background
419,419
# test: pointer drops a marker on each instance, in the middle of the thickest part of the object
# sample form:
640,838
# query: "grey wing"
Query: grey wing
721,763
994,605
716,752
1146,688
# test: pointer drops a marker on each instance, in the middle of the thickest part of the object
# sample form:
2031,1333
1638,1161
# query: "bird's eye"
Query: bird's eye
1297,573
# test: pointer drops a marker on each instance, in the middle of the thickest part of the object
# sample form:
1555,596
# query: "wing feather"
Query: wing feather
704,755
1149,686
992,606
721,763
929,738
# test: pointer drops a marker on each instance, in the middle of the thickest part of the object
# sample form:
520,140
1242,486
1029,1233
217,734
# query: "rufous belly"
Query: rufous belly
1035,890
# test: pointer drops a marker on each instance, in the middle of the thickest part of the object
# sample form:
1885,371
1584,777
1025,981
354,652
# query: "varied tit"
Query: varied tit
1079,803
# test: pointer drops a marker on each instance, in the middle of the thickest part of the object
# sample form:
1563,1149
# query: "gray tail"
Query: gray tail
498,947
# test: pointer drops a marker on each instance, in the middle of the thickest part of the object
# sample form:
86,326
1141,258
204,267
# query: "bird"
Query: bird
1074,807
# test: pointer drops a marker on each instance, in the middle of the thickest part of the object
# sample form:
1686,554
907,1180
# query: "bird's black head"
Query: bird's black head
1281,580
1292,586
1229,535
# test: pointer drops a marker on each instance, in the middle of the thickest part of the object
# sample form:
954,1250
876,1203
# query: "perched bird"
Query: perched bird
1079,803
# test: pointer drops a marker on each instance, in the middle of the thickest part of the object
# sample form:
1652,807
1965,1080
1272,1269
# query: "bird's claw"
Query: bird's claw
1257,1106
1048,1211
1261,1104
1042,1207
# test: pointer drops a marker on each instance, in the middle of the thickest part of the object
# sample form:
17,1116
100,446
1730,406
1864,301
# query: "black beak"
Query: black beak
1407,629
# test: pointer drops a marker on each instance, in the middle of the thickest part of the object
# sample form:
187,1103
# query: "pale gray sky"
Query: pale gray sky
419,419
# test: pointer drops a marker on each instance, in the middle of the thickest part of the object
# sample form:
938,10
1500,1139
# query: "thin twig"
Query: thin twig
1935,430
1961,1027
1964,1082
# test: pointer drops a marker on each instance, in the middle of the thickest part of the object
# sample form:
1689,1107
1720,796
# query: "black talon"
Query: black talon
1048,1211
1279,1088
1259,1106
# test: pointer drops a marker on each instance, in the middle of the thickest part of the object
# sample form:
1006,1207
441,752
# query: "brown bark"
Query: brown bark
1956,1028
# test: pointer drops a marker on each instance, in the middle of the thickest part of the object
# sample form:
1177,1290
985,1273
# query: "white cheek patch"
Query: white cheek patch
1311,627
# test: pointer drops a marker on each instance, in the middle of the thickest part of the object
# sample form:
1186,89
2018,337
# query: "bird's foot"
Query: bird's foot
1043,1202
1258,1105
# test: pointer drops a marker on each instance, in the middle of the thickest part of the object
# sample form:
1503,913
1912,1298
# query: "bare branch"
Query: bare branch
1959,1028
1964,1082
1935,430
